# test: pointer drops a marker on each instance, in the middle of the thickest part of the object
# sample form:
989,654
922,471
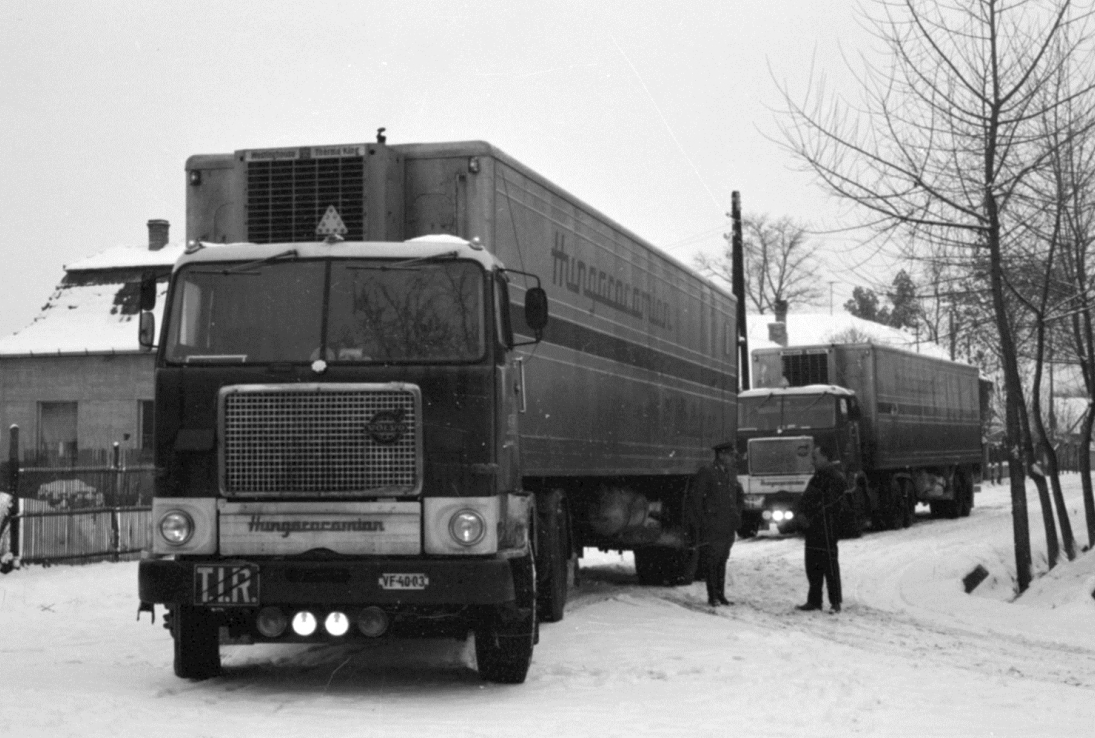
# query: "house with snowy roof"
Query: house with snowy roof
75,380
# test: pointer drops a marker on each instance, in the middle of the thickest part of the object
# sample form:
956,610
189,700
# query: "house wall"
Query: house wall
106,388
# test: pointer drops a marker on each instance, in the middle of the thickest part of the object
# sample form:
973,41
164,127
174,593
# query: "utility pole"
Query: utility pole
831,283
737,250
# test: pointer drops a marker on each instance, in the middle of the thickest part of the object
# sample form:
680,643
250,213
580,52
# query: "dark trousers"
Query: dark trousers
713,558
822,565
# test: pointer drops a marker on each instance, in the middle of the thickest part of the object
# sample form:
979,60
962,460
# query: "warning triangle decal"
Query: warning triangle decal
331,224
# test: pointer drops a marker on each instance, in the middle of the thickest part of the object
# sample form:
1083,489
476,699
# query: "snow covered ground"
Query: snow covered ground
911,654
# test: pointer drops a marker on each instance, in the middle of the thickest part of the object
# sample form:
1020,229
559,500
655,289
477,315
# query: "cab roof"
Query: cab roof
200,252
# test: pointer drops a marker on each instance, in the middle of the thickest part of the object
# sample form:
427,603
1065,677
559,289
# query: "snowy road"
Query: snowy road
911,654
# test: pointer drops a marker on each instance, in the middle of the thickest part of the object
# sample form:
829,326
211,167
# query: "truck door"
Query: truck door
848,418
511,389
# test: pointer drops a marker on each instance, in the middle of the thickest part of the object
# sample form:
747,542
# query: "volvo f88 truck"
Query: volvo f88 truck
368,427
906,428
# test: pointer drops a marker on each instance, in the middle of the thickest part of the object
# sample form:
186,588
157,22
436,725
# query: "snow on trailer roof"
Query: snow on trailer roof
93,311
809,389
810,329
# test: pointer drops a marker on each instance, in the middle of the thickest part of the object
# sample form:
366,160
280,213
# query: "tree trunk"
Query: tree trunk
1013,390
1035,468
1085,474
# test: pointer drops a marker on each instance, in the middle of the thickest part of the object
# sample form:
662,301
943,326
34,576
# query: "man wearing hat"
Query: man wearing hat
713,515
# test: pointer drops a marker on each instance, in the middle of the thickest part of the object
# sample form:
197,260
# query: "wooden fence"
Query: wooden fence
74,513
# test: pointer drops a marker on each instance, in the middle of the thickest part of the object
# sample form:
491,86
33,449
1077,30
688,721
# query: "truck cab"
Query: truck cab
337,450
777,429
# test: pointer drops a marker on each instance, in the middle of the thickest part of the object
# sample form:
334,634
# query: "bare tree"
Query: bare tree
945,138
779,263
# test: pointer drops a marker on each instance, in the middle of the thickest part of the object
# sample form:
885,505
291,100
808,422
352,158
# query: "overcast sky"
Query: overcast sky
651,112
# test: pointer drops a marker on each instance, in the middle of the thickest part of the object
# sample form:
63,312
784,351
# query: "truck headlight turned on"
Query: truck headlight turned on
366,425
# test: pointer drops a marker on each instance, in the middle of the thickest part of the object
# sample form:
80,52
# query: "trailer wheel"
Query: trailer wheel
889,514
908,503
553,558
965,501
197,643
505,640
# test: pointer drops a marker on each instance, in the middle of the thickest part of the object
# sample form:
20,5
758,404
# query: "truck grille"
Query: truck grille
772,456
324,440
286,199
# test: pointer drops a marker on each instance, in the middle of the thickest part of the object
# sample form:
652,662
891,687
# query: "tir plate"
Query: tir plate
226,585
404,581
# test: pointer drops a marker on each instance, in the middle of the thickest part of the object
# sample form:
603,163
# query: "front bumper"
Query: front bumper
760,509
476,581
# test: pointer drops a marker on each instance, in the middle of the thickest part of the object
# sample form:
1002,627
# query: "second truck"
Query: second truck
367,425
906,428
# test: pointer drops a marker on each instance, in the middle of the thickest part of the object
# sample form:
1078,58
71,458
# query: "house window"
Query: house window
57,432
145,437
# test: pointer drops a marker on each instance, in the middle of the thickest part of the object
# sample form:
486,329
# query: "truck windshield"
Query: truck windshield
376,312
775,411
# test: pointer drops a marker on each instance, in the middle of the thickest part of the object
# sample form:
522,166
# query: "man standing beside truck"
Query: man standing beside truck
820,512
715,507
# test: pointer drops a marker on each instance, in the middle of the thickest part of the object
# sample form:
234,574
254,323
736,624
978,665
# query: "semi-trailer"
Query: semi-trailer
906,428
366,424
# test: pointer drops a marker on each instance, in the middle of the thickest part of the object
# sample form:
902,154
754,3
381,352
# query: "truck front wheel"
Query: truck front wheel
553,556
505,639
197,643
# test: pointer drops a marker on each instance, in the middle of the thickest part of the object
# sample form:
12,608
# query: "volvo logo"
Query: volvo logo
387,426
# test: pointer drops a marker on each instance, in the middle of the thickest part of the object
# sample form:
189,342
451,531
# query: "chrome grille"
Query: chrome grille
780,455
325,440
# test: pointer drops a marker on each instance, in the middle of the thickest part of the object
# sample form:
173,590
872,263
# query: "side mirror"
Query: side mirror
148,293
146,334
536,309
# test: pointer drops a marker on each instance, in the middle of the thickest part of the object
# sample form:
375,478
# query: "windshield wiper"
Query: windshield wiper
246,268
408,263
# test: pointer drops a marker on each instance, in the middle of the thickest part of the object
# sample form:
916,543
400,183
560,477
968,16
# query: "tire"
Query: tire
553,559
504,641
965,502
907,502
197,643
888,515
659,567
750,526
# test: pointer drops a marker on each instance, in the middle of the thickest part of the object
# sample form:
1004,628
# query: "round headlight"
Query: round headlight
176,527
467,527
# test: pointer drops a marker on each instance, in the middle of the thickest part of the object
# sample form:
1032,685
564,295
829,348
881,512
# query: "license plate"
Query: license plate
226,585
404,581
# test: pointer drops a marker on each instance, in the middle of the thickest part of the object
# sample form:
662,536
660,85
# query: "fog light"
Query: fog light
372,622
336,624
467,527
767,515
788,515
271,622
176,527
304,623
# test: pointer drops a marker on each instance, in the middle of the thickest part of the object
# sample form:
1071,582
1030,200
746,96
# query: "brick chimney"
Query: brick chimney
777,331
157,234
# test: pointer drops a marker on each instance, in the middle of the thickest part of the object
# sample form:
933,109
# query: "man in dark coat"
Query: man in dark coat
715,514
819,509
